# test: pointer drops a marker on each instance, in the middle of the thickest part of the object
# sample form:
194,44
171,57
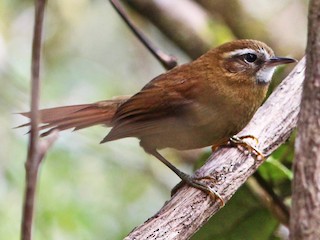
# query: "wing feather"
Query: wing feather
160,104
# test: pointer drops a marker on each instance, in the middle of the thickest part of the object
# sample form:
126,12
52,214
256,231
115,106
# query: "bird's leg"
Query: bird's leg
225,143
191,181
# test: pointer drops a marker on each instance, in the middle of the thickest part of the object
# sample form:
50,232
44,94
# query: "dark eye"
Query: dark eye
249,57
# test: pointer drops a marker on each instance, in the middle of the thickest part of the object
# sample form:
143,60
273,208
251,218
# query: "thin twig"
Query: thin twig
190,32
36,148
167,61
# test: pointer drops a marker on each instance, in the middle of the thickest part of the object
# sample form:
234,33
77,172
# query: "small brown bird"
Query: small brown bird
194,105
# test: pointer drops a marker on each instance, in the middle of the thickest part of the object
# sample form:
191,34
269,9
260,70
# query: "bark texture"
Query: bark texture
190,208
305,212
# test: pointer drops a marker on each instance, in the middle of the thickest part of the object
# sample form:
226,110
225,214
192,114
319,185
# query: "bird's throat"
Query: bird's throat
264,75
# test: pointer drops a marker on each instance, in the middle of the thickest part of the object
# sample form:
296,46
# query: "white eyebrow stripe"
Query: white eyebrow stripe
242,51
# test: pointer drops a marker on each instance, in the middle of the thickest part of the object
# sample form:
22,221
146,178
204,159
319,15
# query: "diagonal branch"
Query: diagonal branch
167,61
193,34
190,208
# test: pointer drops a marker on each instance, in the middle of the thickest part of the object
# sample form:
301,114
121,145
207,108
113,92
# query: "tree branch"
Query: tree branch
270,199
36,149
305,210
167,61
190,208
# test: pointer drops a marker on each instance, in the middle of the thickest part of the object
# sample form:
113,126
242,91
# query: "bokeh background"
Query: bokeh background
92,191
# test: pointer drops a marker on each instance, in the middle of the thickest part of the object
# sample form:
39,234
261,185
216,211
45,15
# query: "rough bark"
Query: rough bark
190,208
305,212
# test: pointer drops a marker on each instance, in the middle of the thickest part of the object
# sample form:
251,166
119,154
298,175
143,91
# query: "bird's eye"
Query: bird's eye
249,57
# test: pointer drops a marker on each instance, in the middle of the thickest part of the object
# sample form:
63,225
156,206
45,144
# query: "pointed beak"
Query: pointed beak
275,61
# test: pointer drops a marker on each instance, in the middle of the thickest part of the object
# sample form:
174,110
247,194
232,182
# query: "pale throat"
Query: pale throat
264,75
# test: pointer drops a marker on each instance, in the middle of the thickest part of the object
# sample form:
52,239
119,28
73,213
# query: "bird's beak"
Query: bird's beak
275,61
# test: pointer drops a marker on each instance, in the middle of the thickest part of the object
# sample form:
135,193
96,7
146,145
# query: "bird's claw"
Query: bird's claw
239,141
196,183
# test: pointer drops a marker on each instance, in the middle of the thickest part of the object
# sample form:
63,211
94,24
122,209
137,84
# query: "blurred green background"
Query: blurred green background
87,190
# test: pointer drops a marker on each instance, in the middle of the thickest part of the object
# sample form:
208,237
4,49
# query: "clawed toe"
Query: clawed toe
239,141
196,183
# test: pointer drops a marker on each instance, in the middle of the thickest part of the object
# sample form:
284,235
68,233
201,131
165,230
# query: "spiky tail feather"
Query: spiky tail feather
77,116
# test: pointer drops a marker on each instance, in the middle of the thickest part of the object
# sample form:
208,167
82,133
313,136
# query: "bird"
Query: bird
202,103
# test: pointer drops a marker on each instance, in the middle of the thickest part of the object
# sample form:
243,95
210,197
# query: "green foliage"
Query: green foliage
243,218
277,169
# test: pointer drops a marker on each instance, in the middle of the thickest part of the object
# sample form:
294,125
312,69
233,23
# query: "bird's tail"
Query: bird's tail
77,116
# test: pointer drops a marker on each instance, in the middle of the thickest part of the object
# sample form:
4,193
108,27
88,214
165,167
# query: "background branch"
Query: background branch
36,149
174,21
167,61
270,199
189,208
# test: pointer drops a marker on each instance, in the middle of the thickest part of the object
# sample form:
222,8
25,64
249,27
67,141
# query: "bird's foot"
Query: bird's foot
239,141
187,179
196,183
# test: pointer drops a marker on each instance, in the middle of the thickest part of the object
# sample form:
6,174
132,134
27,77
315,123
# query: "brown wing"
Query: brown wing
163,102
